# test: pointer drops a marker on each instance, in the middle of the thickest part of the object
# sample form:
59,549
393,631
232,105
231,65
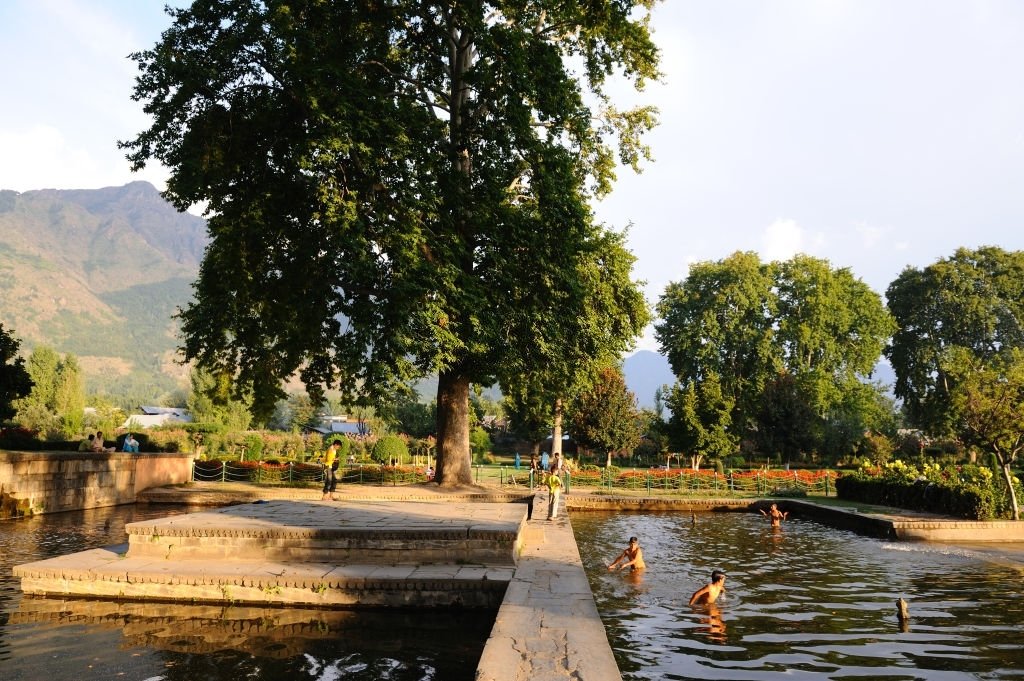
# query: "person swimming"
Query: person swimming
632,557
709,594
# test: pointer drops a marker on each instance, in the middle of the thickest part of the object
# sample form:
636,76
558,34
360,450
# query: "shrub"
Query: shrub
253,446
479,443
970,492
390,448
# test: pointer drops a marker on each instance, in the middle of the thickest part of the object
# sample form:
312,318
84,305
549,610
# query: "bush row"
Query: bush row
971,492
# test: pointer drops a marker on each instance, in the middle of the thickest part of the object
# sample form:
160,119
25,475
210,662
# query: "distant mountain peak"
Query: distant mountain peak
645,372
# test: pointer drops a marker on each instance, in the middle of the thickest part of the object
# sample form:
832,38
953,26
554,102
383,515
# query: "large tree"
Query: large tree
393,188
745,323
988,400
718,322
56,404
15,381
973,301
701,418
605,418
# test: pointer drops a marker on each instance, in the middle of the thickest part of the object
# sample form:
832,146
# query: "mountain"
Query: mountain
99,273
645,372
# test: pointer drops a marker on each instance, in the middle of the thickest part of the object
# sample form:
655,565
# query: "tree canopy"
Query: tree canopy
972,301
604,418
782,345
989,403
15,381
55,406
397,188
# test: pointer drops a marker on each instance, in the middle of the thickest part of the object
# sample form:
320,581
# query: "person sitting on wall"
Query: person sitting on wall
130,444
97,443
86,444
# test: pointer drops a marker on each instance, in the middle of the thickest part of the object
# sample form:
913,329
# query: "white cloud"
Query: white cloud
41,157
783,239
869,234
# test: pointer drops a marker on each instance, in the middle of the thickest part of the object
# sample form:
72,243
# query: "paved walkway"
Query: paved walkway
548,627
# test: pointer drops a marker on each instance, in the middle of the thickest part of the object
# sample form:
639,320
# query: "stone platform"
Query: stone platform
306,553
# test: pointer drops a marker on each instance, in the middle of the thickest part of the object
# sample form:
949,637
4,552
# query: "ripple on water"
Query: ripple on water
806,602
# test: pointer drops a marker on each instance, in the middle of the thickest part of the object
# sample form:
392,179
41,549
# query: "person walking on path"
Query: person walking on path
331,464
632,557
706,595
554,492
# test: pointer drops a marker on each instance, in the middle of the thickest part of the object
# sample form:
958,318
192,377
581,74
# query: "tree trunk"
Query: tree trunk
556,429
454,466
1008,477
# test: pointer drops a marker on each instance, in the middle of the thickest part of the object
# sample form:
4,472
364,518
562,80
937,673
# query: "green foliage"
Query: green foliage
214,399
878,448
390,448
969,307
785,342
414,418
480,443
253,446
989,402
786,424
15,381
701,419
379,204
605,418
968,491
55,406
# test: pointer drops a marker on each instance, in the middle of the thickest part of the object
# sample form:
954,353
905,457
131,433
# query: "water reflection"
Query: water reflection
78,640
803,602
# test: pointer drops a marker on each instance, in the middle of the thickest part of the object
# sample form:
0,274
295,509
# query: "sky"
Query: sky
877,134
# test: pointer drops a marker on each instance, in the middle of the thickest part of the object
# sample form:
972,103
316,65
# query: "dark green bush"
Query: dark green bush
391,448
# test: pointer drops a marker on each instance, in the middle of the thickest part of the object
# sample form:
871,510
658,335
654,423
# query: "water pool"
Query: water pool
81,640
804,601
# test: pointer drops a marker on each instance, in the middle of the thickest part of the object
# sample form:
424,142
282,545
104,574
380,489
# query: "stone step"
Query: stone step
111,574
332,532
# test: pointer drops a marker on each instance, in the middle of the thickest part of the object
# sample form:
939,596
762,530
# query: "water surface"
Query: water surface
802,602
43,639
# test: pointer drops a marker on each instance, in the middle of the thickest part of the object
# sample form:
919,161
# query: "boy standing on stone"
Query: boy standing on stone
554,491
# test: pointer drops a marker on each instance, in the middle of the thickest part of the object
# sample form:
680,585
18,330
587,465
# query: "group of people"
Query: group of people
632,557
96,443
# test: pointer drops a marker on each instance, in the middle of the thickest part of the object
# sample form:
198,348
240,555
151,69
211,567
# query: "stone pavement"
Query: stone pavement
548,627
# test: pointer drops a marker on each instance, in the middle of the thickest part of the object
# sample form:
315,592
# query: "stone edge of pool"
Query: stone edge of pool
547,625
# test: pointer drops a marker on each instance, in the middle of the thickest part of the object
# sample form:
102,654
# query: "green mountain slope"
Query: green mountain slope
99,273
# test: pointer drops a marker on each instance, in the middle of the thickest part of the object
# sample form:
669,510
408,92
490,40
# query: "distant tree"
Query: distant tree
529,408
746,323
973,300
415,418
56,404
866,410
701,420
719,322
394,187
390,449
15,381
787,425
69,397
213,400
988,399
605,418
297,412
480,443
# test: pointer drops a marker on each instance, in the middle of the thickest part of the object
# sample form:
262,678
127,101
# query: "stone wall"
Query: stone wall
49,482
